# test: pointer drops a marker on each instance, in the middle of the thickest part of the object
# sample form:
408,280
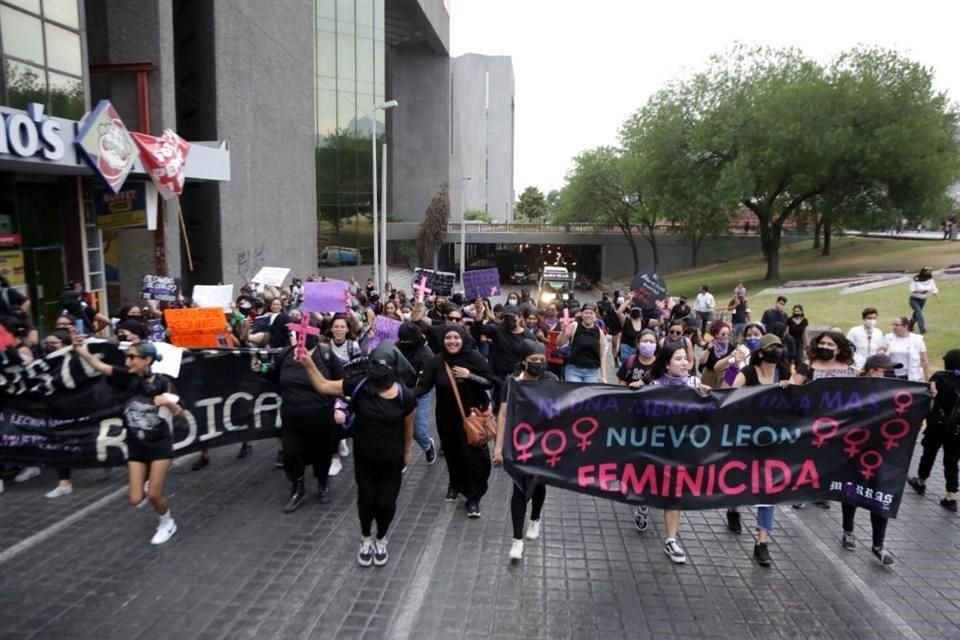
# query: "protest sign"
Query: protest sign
331,296
481,283
170,359
383,329
271,276
213,295
440,282
159,288
62,413
848,439
648,289
198,328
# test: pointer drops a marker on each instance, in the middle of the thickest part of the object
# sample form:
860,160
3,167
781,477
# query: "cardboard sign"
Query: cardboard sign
171,357
159,288
648,289
326,297
213,295
440,282
481,283
204,328
271,276
383,329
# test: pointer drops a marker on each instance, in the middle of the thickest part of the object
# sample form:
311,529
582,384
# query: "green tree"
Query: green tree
532,205
433,231
553,204
477,215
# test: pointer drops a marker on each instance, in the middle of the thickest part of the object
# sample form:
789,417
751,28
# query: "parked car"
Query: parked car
520,276
337,256
583,283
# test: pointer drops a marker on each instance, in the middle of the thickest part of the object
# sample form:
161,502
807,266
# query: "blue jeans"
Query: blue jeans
580,374
765,518
919,321
421,422
626,351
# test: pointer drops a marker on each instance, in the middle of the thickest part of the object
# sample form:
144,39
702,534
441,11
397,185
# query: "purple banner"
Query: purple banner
481,283
325,297
383,329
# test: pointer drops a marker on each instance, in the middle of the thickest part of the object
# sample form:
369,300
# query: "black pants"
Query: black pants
518,507
378,485
308,442
932,441
878,523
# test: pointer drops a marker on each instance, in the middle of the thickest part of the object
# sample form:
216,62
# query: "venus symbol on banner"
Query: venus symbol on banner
422,289
302,329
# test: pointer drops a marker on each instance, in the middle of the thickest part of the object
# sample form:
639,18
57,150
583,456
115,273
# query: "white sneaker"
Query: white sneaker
335,467
165,531
343,449
674,551
380,555
26,473
533,530
516,550
58,491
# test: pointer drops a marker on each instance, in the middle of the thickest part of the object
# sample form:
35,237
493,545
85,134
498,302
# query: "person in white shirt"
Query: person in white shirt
868,340
909,350
921,287
704,306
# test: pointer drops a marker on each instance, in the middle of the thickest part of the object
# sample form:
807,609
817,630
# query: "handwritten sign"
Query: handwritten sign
383,329
271,276
440,282
648,289
159,288
331,296
481,283
213,295
198,328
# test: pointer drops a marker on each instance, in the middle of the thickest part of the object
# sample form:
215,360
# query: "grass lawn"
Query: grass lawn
851,255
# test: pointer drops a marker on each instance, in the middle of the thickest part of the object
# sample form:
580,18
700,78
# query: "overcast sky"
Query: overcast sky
582,66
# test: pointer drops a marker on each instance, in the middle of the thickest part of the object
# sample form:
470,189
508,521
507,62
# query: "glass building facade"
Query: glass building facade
43,56
349,81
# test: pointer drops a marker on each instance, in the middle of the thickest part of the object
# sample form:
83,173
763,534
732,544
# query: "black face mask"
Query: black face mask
635,314
535,369
311,342
771,355
825,354
509,323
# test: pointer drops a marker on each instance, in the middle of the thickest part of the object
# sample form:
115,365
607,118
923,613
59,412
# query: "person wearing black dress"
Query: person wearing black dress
468,467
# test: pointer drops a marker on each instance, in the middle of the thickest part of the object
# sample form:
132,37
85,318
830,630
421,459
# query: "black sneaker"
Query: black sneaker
431,453
733,522
917,486
365,555
451,494
848,541
245,450
297,494
201,462
761,554
278,463
949,505
323,492
884,556
473,510
823,504
641,519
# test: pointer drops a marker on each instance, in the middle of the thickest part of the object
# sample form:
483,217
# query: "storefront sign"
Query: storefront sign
31,133
11,268
10,240
106,145
125,209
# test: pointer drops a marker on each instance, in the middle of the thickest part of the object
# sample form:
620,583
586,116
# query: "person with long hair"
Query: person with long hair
714,359
797,325
533,367
922,287
468,467
767,365
675,334
943,431
149,440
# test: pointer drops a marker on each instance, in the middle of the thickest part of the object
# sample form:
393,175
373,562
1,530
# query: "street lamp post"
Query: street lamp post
463,227
389,104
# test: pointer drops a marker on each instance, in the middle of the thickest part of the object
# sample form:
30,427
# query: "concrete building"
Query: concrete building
482,136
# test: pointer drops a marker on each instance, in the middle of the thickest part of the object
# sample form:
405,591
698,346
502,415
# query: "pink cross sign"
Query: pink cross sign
302,329
565,319
422,289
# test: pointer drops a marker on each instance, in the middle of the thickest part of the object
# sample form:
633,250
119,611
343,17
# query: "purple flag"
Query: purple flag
325,297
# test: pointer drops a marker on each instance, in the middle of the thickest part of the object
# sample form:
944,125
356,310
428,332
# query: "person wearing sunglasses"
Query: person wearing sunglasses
675,335
149,440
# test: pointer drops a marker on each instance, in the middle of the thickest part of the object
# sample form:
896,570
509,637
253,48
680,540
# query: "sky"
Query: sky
581,67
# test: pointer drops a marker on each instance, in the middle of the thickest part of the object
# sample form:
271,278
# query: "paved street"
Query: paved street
239,568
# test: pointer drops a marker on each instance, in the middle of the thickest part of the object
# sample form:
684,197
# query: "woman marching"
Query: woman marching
149,440
534,367
767,366
382,430
921,287
457,364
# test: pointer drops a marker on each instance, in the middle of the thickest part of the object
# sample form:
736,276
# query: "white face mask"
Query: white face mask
511,301
405,315
620,300
870,323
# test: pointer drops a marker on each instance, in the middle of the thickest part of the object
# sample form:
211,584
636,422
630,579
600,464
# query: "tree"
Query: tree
532,205
477,215
433,231
553,204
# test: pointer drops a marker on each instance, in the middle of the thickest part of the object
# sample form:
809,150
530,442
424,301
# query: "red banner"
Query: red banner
164,158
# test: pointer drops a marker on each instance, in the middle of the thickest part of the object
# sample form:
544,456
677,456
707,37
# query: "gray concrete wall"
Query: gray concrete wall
418,130
263,52
483,145
436,14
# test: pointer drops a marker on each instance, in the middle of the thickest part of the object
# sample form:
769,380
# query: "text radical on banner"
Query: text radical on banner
669,447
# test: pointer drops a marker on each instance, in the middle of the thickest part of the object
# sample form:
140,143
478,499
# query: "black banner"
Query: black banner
848,439
59,411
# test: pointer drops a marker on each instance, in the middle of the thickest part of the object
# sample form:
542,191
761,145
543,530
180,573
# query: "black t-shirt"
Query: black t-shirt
140,416
549,376
772,317
585,347
300,400
632,370
506,352
740,313
752,379
796,329
378,422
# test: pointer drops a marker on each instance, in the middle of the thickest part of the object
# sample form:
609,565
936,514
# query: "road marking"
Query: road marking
409,607
850,575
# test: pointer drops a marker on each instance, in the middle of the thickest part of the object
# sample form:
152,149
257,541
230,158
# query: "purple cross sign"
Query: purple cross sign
481,283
